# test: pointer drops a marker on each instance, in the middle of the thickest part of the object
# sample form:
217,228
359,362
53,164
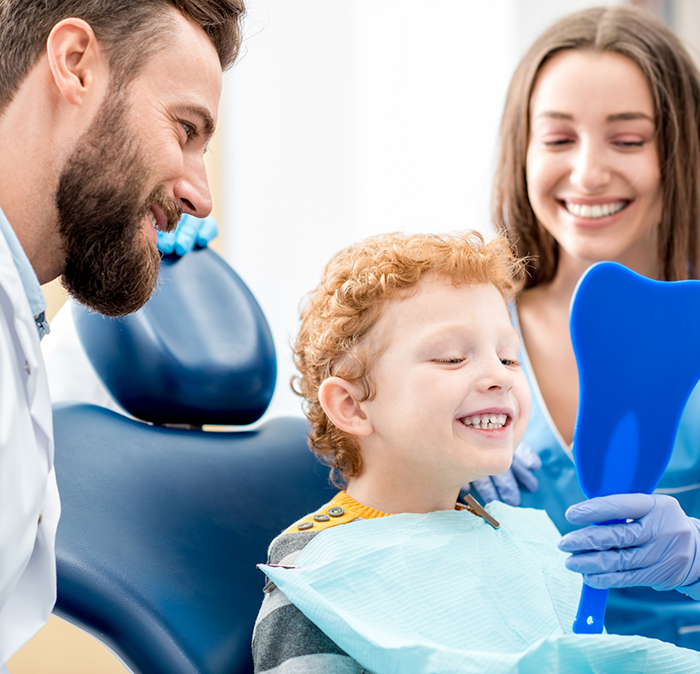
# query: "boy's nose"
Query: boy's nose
495,375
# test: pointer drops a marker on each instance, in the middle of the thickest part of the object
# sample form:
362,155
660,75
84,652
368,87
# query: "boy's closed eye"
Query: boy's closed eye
508,362
511,362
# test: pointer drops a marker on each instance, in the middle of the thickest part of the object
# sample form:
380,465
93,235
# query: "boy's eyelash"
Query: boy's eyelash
509,362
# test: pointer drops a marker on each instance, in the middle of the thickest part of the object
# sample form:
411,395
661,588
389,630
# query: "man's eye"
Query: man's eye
189,129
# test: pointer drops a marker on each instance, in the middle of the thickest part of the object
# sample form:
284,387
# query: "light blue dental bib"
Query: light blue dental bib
444,592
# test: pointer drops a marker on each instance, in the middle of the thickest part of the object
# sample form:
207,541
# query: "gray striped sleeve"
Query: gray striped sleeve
319,664
285,641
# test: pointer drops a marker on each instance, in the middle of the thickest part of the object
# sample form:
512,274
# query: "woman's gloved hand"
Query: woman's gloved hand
190,232
658,548
506,487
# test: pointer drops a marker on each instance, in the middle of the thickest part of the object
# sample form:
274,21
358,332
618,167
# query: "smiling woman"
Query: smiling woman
592,162
600,160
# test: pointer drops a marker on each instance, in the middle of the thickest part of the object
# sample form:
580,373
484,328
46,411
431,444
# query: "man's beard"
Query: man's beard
111,267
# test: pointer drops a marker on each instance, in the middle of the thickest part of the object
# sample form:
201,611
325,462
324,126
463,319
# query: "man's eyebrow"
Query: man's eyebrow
207,126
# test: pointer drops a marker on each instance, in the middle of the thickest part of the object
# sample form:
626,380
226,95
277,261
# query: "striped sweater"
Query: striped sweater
285,641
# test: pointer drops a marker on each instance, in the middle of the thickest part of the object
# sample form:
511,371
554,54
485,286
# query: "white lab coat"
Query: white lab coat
70,373
28,488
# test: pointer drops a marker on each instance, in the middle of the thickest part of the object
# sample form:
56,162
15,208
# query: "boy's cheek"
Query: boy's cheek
525,400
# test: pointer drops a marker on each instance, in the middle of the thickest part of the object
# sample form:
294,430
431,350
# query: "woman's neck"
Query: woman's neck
643,261
544,321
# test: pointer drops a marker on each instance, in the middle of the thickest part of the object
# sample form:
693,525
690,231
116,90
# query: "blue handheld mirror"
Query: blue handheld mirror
636,345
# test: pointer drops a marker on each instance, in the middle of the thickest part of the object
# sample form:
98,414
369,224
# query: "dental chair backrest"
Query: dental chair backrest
162,526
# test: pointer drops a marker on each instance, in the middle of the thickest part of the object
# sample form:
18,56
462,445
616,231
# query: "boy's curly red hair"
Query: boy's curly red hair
342,310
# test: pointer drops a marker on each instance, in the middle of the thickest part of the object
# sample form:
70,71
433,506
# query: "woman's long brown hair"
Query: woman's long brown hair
675,87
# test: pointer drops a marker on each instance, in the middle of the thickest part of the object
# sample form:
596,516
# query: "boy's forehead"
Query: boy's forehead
433,301
435,295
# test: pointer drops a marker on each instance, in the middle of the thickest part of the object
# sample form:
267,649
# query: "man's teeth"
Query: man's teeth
486,421
152,218
594,211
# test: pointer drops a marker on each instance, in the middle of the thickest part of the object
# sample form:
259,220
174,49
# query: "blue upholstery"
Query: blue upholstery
162,527
200,352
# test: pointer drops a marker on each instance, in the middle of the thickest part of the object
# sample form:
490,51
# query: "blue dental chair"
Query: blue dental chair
163,522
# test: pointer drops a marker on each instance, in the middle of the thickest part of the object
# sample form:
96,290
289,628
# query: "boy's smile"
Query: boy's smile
451,401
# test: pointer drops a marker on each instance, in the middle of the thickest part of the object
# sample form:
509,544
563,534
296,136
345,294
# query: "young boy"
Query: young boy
409,369
410,374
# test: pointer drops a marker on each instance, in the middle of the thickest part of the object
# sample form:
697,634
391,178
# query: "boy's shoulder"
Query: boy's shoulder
340,510
285,548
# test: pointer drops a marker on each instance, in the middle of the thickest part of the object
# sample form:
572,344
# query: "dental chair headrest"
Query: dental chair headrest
199,352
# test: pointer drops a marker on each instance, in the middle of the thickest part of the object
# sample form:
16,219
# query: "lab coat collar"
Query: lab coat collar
30,282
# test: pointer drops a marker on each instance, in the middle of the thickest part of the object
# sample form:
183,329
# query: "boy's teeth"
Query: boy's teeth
486,421
594,211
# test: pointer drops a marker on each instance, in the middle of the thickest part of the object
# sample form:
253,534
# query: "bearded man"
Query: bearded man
106,109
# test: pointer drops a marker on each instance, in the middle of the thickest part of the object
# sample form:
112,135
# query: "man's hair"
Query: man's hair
129,31
674,83
338,317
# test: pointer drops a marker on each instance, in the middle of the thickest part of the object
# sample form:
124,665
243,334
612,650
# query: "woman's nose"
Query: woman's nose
590,171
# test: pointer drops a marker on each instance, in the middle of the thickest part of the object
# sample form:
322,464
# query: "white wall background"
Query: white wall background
346,118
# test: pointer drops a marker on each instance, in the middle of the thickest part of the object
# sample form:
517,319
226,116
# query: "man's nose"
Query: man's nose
192,190
590,171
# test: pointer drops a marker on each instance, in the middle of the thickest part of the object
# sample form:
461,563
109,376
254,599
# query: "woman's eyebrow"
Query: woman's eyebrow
626,116
553,114
616,117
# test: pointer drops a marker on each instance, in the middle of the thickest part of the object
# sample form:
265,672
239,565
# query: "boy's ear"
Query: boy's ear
338,398
74,57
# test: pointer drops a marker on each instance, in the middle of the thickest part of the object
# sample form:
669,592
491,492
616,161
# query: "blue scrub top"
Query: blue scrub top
670,616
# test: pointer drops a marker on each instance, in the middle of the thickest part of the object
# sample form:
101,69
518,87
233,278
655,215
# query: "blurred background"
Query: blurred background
342,119
346,118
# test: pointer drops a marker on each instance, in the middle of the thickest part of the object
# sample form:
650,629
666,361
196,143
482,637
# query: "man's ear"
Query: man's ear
338,398
74,58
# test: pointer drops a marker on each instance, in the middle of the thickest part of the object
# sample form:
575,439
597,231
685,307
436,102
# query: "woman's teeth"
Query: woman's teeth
486,421
594,211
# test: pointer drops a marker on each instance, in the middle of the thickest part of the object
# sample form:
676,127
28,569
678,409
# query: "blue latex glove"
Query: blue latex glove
658,548
190,232
506,487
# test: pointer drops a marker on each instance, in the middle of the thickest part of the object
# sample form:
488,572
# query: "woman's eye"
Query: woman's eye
559,142
630,143
629,140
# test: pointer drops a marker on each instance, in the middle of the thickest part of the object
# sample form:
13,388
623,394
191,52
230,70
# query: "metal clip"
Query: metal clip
269,585
477,509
